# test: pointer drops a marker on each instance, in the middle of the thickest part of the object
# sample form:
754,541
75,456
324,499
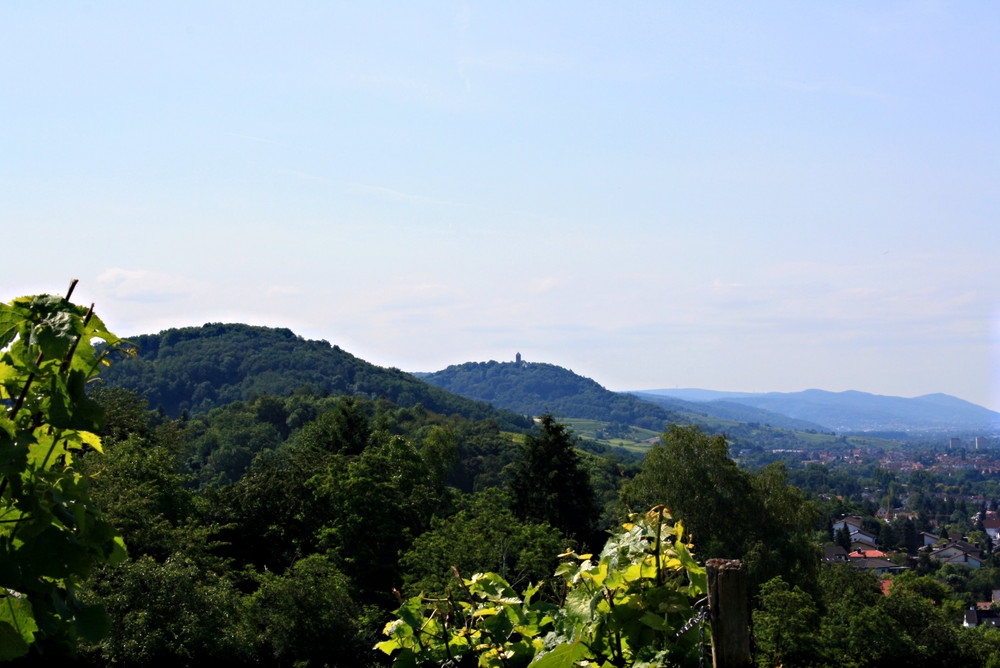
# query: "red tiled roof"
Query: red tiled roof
867,554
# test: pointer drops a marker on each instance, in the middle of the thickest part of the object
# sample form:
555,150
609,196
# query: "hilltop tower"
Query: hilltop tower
517,358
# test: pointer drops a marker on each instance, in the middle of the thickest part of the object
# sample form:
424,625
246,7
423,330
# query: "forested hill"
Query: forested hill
195,369
534,388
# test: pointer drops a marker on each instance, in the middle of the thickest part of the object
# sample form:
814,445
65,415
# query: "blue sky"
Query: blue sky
763,197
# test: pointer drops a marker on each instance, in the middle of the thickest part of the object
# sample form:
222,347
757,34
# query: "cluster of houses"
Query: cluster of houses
864,547
980,616
865,554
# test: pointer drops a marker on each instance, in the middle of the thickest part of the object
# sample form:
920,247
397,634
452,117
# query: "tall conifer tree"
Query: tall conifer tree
550,485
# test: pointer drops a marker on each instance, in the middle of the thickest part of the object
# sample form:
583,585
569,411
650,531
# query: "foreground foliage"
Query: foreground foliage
624,608
52,534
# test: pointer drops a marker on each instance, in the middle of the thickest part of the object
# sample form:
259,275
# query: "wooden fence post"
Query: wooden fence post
729,613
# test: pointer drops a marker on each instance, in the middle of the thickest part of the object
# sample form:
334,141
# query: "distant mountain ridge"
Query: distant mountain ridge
537,387
730,410
853,411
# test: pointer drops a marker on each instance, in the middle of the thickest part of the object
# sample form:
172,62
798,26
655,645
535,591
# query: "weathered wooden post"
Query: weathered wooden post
729,613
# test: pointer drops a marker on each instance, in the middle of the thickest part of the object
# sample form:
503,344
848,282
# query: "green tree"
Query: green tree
373,506
139,491
225,441
439,450
168,613
785,625
691,473
923,585
842,537
344,430
981,645
549,485
126,413
270,517
925,628
305,616
483,536
909,536
732,514
779,540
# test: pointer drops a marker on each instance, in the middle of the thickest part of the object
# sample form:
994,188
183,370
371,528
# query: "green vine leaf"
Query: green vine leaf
621,609
51,533
17,627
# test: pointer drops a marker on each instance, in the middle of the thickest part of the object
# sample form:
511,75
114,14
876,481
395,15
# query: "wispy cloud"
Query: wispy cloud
544,284
139,285
828,88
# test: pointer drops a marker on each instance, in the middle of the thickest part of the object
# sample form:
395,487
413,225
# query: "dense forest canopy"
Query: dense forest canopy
195,369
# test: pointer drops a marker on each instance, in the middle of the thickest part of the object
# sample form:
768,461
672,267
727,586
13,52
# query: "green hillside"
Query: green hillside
195,369
534,388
